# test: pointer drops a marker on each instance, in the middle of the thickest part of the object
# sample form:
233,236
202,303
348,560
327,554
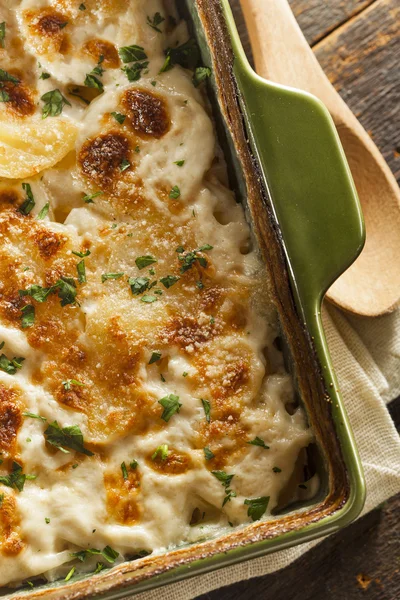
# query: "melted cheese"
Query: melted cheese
214,328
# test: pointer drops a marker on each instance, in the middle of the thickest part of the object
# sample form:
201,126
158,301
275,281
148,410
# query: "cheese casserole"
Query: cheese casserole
144,402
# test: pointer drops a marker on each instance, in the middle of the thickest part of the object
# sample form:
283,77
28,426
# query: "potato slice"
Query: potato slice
29,147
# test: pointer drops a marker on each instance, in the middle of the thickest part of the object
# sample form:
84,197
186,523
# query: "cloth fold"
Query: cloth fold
366,357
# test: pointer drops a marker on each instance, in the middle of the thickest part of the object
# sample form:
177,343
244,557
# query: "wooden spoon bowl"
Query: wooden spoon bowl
371,286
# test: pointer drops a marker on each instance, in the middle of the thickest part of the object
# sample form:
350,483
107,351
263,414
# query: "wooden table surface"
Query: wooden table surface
358,44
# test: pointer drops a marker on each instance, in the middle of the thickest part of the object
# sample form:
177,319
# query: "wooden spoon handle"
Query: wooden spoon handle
282,53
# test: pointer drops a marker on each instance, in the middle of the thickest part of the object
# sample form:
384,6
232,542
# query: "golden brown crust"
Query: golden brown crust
100,158
10,420
96,48
147,112
11,543
122,496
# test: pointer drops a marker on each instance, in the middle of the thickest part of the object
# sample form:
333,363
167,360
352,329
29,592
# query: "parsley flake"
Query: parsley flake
175,193
134,72
257,507
161,453
125,164
124,471
169,280
81,270
44,211
186,55
28,316
92,81
200,75
138,285
66,437
134,464
132,53
179,163
207,409
106,276
2,34
208,454
120,118
82,254
277,470
29,202
258,442
155,22
171,405
47,520
88,198
16,479
155,357
69,382
223,477
70,574
82,7
10,366
45,75
147,299
145,261
54,103
34,416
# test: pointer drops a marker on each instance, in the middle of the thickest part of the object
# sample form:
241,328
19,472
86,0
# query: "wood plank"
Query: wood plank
362,61
318,18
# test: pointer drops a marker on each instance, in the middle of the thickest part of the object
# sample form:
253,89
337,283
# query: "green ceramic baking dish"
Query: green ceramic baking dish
290,172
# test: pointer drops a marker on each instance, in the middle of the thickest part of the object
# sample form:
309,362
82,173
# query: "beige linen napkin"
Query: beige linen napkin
366,357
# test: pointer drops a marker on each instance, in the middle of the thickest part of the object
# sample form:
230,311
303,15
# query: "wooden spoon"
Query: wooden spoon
371,286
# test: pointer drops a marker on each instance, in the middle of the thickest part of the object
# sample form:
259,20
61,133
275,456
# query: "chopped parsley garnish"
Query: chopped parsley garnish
93,82
70,574
162,378
29,202
108,553
180,163
171,405
155,22
125,164
37,292
33,416
120,118
99,567
54,103
82,254
134,464
88,198
161,453
175,193
145,261
81,270
138,285
66,437
200,75
137,149
106,276
207,409
124,471
155,357
2,34
257,507
82,7
134,71
16,479
225,479
132,53
44,211
69,382
188,259
200,284
169,280
258,442
208,454
10,366
153,83
47,520
185,374
45,75
66,290
28,316
5,76
1,499
277,470
186,55
147,299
